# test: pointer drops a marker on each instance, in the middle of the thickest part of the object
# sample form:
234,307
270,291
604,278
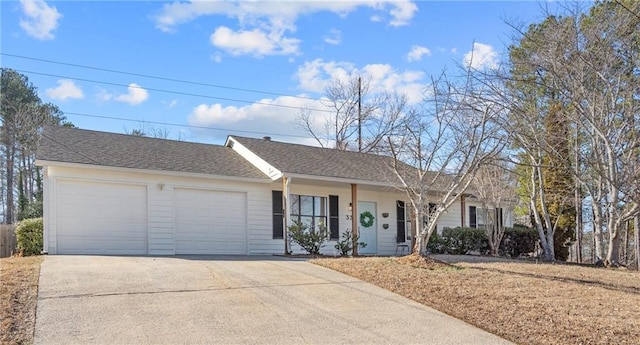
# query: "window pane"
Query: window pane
320,206
320,222
306,205
308,221
295,204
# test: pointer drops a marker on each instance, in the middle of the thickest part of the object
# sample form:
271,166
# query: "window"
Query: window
473,221
401,230
309,210
334,218
278,221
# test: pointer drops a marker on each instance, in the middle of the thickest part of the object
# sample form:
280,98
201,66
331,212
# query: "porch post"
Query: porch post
354,218
286,215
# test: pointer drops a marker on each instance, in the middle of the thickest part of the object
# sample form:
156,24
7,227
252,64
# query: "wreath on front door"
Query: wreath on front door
366,219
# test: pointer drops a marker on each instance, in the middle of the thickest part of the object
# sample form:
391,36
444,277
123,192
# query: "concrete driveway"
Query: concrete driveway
228,300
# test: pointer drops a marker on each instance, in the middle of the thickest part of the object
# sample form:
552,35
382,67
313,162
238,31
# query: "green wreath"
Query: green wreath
366,219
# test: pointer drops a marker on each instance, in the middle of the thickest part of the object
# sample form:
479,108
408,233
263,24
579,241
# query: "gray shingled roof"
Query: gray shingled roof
317,161
71,145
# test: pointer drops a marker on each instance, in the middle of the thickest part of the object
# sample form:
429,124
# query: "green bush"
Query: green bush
345,245
465,240
29,236
458,241
437,244
309,239
518,240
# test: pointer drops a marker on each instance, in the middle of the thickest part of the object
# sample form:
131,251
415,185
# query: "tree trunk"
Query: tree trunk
636,240
418,237
9,215
613,254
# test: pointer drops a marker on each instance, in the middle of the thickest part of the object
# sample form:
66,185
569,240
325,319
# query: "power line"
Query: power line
181,125
174,92
156,77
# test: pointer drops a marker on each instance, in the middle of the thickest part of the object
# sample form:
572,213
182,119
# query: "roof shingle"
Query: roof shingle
72,145
317,161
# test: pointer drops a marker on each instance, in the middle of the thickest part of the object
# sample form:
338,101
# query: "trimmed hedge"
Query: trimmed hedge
29,236
518,240
459,241
515,242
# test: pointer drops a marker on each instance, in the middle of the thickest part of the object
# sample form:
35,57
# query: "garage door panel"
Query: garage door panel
210,222
101,218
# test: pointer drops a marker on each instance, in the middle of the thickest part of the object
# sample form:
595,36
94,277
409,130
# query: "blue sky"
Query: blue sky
242,67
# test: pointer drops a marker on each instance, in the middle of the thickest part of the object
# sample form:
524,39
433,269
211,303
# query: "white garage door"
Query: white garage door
210,222
101,218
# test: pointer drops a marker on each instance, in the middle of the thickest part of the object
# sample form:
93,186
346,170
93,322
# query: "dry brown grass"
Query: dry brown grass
526,303
18,297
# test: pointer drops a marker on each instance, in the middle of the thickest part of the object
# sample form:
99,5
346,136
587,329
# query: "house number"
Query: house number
349,217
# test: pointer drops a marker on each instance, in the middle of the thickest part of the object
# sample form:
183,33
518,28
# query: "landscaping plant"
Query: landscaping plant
310,239
345,245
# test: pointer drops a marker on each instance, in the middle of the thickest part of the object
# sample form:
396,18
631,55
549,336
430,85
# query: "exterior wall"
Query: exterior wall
260,240
507,213
160,204
385,200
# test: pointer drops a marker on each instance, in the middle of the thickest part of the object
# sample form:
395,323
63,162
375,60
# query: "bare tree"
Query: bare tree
359,119
582,69
440,149
495,185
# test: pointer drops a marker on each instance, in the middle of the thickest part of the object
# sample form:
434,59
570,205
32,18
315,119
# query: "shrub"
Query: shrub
345,245
437,244
309,239
518,240
464,240
29,236
458,241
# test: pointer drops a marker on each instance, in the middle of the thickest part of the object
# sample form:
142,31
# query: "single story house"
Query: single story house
117,194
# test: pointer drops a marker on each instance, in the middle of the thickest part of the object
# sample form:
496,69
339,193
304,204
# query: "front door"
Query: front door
368,227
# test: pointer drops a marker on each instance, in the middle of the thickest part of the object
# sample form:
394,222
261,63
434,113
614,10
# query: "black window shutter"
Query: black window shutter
401,222
499,217
278,222
334,218
472,217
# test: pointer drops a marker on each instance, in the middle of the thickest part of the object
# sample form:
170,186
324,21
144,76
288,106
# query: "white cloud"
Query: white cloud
334,37
103,96
265,117
135,95
402,12
417,52
66,89
481,56
170,104
40,20
253,42
217,57
316,75
265,29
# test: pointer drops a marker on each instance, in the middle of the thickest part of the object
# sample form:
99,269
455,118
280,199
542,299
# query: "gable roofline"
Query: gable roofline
311,162
45,163
96,148
262,165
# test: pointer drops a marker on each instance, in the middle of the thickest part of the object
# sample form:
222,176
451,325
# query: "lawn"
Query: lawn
18,297
527,303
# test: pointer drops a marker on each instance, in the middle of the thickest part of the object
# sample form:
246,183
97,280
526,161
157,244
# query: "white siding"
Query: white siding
160,204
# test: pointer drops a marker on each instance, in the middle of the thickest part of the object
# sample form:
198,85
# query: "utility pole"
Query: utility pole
359,114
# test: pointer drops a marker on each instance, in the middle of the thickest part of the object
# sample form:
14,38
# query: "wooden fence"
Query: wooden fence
7,240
